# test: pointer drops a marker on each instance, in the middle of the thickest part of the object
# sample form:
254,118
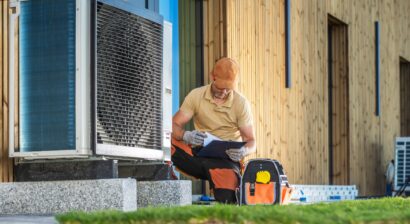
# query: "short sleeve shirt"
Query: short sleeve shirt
222,120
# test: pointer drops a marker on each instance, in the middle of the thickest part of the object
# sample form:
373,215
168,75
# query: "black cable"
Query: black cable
403,187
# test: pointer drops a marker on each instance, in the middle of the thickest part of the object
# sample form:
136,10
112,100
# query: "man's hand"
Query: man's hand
236,155
194,137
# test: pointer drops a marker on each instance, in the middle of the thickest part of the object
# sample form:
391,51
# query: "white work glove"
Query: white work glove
236,155
194,137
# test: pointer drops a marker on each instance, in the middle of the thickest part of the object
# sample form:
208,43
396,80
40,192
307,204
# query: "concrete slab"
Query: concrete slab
164,193
27,220
52,197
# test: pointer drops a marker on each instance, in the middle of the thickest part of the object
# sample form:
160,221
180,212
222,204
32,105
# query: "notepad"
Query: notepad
209,138
217,149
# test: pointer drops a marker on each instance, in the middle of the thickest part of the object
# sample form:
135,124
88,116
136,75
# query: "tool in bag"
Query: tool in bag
264,182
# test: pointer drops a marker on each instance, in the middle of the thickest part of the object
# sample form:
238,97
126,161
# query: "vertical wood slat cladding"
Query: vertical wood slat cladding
6,164
3,38
214,31
187,54
292,124
190,58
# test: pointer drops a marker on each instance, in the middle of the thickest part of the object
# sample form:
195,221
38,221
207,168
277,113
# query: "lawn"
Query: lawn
387,210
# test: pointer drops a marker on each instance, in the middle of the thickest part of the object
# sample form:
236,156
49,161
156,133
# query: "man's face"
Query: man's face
220,93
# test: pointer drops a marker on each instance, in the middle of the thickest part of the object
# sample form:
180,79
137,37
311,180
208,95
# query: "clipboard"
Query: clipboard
216,149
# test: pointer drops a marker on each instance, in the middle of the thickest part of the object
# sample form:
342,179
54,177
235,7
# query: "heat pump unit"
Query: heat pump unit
402,163
93,79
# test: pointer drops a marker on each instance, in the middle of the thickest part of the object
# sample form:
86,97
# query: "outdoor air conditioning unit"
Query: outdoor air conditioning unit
94,79
402,164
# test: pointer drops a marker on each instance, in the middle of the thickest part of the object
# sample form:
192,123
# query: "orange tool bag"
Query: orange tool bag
264,183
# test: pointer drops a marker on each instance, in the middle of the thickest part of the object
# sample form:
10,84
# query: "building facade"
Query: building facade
333,117
347,100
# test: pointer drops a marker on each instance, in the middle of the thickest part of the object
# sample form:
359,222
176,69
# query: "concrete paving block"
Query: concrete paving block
27,220
164,193
52,197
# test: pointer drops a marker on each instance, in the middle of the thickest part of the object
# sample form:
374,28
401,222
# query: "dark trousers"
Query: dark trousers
222,174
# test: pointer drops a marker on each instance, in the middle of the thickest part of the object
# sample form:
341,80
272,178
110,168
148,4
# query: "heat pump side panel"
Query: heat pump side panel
167,91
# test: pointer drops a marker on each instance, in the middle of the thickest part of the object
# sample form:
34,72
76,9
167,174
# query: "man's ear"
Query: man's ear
211,75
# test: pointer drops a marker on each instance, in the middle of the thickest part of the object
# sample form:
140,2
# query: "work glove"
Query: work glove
236,155
194,137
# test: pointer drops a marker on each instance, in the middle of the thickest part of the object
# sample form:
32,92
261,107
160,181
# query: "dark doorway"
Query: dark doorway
404,97
338,89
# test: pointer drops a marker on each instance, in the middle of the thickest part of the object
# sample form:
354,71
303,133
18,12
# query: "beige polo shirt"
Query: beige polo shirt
223,120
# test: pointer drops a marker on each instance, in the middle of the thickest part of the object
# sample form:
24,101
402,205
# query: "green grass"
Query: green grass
387,210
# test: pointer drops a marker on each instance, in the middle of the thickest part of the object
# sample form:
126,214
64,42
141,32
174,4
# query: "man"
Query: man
220,110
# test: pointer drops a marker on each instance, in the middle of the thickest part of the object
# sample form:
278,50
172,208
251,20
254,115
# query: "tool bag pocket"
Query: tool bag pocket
259,193
263,183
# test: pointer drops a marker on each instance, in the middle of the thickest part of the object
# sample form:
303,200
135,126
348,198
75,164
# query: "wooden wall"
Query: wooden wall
214,31
190,58
6,164
292,124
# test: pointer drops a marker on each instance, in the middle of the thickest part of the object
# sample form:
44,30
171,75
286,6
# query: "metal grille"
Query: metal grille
402,161
47,75
129,79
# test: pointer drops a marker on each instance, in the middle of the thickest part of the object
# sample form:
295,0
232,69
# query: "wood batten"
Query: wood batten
6,164
214,31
